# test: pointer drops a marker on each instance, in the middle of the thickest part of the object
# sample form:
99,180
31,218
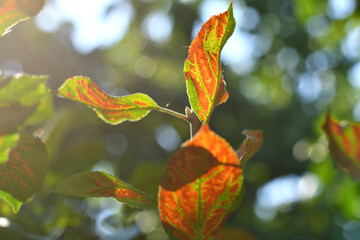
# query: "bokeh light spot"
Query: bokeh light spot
167,137
157,26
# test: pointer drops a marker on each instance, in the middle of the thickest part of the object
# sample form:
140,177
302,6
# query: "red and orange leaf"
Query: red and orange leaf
23,172
202,185
14,11
204,81
344,143
113,110
250,146
101,184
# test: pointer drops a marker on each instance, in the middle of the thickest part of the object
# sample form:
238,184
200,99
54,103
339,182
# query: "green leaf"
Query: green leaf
23,172
13,202
113,110
7,142
26,100
14,11
250,146
24,88
202,185
344,142
101,184
204,81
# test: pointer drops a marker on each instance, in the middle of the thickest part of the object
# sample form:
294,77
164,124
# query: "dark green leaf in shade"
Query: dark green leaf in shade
101,184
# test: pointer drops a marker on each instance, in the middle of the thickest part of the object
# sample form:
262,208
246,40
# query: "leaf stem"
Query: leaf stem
194,121
175,114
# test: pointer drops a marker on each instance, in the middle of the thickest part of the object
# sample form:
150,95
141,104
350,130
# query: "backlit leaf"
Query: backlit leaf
14,11
113,110
23,88
250,146
7,142
204,80
23,172
25,100
101,184
344,143
11,201
202,185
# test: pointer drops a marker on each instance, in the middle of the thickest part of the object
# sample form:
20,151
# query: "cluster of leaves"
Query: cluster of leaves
25,101
203,180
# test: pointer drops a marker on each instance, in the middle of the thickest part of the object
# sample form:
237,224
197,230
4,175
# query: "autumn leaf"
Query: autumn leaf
101,184
250,146
202,185
204,80
344,143
14,11
113,110
24,170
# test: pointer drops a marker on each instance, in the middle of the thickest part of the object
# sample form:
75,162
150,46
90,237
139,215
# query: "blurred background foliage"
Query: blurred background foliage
287,61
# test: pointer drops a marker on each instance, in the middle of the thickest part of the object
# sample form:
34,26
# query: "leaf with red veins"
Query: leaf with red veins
202,185
22,174
113,110
101,184
344,143
204,81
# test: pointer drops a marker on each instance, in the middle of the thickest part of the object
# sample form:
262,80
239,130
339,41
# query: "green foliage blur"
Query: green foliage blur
291,60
